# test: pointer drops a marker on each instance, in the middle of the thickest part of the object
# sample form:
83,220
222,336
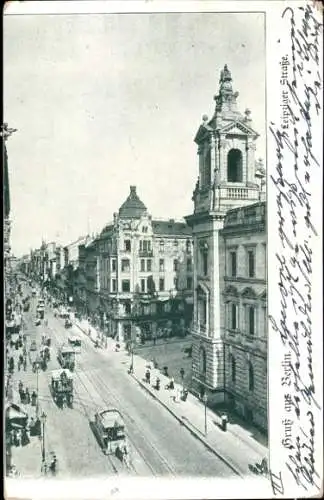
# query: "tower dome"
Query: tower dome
133,207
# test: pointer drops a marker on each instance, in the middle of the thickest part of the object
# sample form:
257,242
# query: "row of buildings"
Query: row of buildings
206,275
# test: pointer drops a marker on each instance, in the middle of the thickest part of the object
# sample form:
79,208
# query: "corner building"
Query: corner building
229,237
146,274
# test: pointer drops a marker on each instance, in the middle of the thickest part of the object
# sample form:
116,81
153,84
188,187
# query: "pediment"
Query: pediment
231,290
238,128
202,288
249,293
202,132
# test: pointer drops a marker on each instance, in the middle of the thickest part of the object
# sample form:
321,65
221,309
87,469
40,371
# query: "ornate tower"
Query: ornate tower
226,147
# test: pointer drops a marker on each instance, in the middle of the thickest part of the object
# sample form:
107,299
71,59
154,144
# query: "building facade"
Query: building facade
145,273
227,181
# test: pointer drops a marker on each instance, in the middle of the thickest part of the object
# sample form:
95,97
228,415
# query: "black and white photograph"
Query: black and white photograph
145,205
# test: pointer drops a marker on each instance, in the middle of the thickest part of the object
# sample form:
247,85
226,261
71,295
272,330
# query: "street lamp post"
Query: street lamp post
182,372
205,400
131,370
37,364
43,419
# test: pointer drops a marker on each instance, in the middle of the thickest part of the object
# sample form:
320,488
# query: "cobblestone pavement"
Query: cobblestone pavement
159,445
236,446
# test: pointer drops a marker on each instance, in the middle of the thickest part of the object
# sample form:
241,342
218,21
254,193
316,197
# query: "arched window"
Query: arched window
233,369
234,166
205,177
202,361
251,377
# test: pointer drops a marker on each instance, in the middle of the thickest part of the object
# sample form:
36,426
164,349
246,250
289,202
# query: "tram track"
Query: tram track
80,399
166,467
162,466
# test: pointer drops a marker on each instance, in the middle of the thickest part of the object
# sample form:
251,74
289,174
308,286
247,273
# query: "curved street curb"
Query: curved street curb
181,421
190,429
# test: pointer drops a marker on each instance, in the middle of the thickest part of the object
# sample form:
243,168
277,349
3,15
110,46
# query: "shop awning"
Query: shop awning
16,416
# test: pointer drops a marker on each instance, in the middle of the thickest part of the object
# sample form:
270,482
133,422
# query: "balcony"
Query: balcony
145,253
239,193
199,329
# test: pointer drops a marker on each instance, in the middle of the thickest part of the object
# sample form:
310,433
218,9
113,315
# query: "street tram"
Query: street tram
109,428
75,342
66,357
62,387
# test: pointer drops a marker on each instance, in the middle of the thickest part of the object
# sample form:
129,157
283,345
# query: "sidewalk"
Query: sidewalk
236,446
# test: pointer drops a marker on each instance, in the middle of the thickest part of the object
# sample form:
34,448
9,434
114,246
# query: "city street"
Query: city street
101,381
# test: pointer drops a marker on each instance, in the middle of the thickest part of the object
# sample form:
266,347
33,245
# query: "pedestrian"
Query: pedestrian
27,396
22,396
24,437
25,363
11,364
53,464
33,398
148,376
20,386
31,426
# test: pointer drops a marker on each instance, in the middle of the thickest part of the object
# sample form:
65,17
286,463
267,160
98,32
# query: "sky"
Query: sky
104,101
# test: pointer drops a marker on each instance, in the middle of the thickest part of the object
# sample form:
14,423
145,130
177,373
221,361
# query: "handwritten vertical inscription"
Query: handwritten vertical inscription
296,161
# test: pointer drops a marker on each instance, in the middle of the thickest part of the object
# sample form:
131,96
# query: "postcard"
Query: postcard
162,249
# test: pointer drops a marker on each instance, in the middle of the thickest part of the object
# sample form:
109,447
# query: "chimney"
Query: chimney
115,218
132,189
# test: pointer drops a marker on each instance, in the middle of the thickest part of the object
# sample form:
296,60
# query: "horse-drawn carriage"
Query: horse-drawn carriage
62,387
66,357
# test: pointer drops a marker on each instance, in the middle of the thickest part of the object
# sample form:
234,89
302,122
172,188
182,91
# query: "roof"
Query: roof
133,207
57,373
66,349
107,230
111,418
171,227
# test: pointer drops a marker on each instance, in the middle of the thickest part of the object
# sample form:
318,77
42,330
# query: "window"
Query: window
205,263
206,167
250,320
202,311
150,284
113,285
202,361
175,265
125,266
188,246
144,229
128,308
176,281
175,243
161,284
149,265
127,245
233,264
234,166
189,265
143,286
233,369
251,263
142,265
161,245
145,246
251,377
189,283
233,317
125,285
113,265
161,265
